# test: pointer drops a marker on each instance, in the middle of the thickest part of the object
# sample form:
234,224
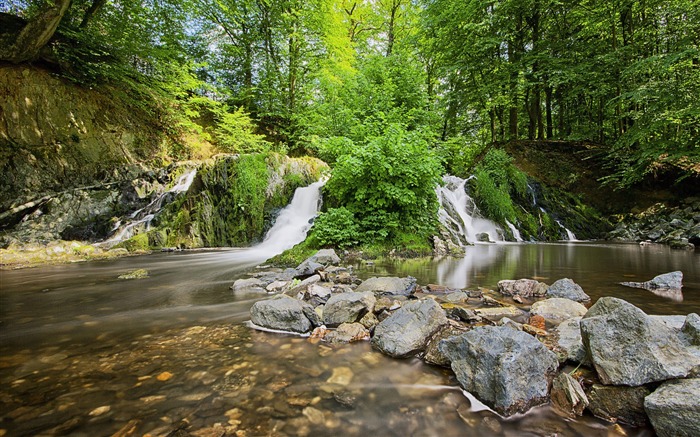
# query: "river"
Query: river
83,353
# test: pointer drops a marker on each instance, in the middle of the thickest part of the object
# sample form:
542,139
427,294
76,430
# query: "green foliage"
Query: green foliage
459,156
388,184
336,227
297,254
497,180
235,133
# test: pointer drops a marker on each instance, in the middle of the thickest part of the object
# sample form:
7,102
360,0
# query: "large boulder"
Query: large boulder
691,329
618,403
407,331
522,288
567,289
508,370
389,285
557,309
627,347
326,257
666,281
674,409
284,313
249,286
347,307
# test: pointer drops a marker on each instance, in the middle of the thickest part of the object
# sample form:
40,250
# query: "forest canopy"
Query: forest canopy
334,78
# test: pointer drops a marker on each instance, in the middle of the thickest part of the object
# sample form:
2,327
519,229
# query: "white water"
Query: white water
570,236
141,218
515,231
459,213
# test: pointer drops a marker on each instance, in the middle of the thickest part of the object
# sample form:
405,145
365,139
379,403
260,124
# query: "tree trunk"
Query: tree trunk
548,110
36,34
92,10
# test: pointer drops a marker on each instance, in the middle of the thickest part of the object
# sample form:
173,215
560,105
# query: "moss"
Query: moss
297,254
138,242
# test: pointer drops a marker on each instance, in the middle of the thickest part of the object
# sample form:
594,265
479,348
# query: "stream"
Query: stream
83,353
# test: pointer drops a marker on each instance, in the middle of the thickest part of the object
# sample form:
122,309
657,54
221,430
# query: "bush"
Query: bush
337,227
497,180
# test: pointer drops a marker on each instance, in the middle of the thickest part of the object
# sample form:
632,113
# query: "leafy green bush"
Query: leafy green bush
388,184
337,227
458,156
235,133
497,180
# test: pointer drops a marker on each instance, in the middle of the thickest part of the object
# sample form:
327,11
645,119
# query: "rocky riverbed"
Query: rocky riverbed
506,347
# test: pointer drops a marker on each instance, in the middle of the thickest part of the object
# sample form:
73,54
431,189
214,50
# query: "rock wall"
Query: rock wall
56,135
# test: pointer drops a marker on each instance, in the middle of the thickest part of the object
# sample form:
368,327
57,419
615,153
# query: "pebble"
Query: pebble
341,376
100,410
314,415
164,376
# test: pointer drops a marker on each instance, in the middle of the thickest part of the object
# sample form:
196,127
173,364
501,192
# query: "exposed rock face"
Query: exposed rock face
666,281
570,341
567,395
508,370
567,289
613,403
389,286
674,409
691,329
629,348
407,331
284,313
433,355
348,307
557,310
522,288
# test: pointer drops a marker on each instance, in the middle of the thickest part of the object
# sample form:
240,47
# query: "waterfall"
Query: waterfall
514,231
570,236
460,215
140,219
293,222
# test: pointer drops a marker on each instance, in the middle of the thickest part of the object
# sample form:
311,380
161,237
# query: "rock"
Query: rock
408,330
348,333
691,329
369,321
667,281
347,307
567,289
456,297
384,303
508,370
567,395
557,309
464,314
629,348
433,355
302,286
619,403
569,333
341,376
317,294
510,323
483,237
497,313
135,274
537,321
674,409
284,313
533,330
308,268
276,286
325,256
522,287
339,275
673,322
389,285
248,286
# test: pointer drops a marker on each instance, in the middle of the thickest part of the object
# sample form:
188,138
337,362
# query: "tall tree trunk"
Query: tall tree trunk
548,110
391,31
36,33
91,11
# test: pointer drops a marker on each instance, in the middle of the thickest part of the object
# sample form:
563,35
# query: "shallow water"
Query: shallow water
83,353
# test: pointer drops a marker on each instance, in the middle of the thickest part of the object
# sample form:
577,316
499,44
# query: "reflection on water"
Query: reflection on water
598,268
83,353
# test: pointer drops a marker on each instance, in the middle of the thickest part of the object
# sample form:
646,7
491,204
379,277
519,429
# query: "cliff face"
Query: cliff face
56,135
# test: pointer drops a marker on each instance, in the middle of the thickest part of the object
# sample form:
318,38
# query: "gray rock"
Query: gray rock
673,322
433,355
557,309
389,285
308,268
347,307
497,313
508,370
248,286
674,409
317,295
568,396
464,314
619,403
276,286
567,289
522,288
483,237
667,281
407,331
325,256
569,333
456,297
303,286
627,347
691,329
284,313
347,333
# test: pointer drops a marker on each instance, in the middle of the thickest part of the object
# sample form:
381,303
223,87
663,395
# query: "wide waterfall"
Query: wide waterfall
460,215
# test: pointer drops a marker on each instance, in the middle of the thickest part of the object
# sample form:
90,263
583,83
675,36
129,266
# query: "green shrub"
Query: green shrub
337,227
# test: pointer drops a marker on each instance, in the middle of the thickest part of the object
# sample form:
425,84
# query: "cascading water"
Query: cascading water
141,218
460,215
570,236
514,231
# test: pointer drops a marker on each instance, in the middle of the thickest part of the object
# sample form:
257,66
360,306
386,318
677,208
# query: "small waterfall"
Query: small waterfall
514,231
293,222
460,215
140,219
570,236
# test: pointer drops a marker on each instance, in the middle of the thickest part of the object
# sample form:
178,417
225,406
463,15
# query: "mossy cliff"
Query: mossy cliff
231,201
